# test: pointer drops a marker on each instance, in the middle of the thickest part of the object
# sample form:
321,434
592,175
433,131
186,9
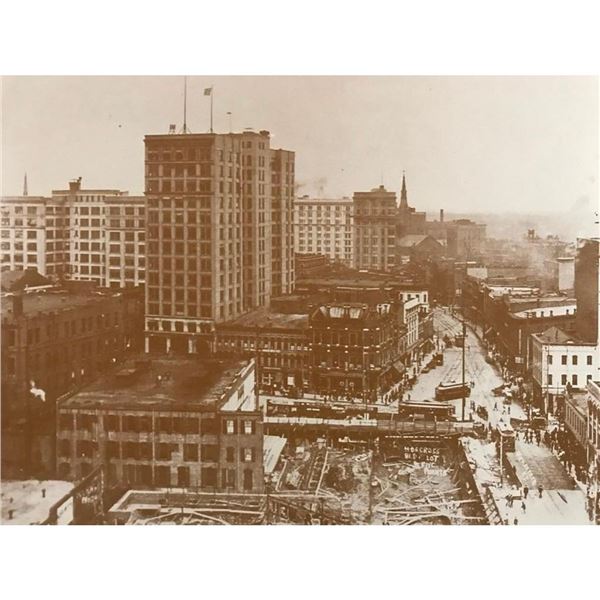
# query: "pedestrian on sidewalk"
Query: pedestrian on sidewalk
516,521
540,490
523,506
525,492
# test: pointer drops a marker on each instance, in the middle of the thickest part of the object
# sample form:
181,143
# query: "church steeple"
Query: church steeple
403,194
25,193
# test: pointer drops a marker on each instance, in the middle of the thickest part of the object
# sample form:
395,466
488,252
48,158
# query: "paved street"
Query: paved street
540,467
477,369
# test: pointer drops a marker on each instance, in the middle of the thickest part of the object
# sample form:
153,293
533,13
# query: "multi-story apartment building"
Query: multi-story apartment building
219,231
166,422
325,227
55,339
77,234
375,229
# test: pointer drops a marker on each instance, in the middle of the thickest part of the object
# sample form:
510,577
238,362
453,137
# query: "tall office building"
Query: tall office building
375,224
324,226
219,231
282,222
78,234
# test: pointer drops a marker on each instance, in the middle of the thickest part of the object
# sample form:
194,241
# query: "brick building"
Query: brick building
279,343
593,445
510,313
55,339
166,422
587,274
356,348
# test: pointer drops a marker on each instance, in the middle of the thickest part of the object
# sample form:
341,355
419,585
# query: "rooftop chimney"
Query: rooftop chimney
75,185
441,215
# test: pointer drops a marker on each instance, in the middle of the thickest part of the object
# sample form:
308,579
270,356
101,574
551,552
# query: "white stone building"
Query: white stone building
324,226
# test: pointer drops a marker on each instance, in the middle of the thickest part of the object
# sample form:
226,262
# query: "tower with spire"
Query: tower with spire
409,220
403,194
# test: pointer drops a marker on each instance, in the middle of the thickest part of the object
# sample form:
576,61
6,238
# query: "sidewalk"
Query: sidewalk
555,507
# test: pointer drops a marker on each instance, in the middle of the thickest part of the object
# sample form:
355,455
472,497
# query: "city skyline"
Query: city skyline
278,358
367,131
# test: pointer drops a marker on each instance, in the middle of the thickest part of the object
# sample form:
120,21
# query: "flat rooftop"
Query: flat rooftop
50,301
307,200
26,500
557,310
263,317
353,281
158,381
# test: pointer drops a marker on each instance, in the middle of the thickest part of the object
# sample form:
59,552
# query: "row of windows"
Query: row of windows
574,359
126,210
564,379
159,451
144,424
19,210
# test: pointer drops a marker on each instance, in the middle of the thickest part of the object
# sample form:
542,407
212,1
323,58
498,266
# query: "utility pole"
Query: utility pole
464,383
501,459
464,327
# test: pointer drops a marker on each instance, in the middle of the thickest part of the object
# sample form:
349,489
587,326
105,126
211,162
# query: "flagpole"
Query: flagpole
185,105
212,93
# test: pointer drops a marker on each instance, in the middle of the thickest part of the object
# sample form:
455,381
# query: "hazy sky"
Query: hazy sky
480,144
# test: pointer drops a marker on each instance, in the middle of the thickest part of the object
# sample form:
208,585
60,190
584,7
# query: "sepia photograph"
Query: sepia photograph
329,300
321,278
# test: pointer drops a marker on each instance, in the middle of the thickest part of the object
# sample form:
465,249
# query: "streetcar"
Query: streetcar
505,437
452,391
285,407
426,411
